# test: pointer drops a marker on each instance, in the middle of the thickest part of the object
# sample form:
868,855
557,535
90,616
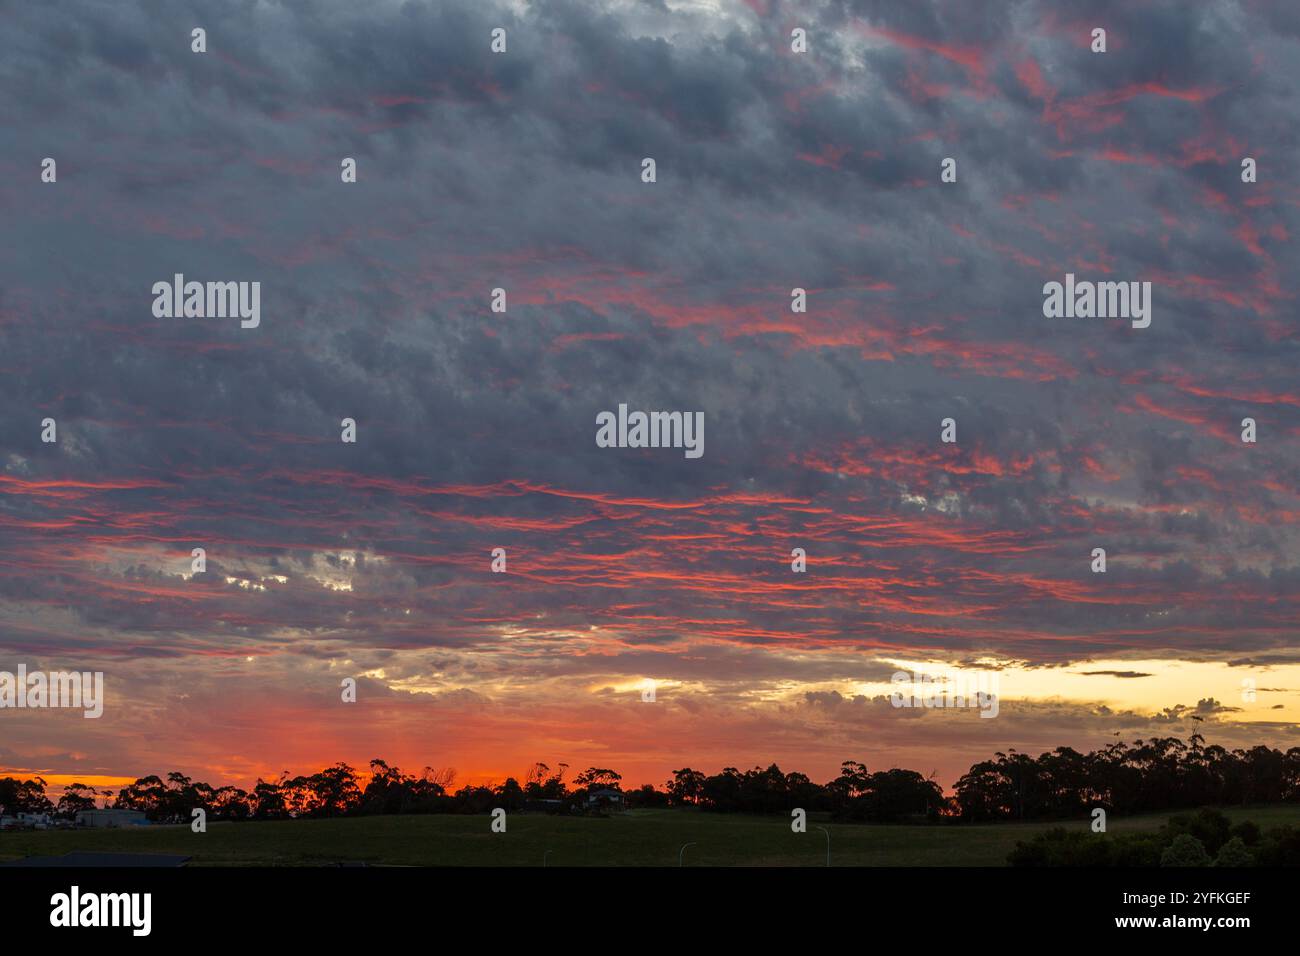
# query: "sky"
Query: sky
475,430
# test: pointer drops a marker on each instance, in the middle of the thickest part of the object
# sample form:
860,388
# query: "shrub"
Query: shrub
1061,847
1208,826
1234,853
1280,846
1248,831
1186,850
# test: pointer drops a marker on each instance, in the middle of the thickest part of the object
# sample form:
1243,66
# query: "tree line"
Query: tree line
1163,773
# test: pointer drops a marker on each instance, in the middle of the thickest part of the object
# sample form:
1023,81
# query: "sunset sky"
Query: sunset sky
476,430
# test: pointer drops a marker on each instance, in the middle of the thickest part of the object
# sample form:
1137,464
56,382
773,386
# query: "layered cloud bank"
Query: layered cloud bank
477,429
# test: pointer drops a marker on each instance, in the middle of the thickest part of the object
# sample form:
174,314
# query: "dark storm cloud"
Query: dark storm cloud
477,430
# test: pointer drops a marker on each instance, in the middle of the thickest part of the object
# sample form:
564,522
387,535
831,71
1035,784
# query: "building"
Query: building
111,818
37,821
605,799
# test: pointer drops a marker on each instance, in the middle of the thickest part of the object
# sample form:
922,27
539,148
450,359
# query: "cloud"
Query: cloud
476,429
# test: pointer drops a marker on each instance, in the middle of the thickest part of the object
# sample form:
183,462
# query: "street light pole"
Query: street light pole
682,851
828,844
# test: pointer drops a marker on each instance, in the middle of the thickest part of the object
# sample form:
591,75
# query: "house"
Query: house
37,821
605,798
111,818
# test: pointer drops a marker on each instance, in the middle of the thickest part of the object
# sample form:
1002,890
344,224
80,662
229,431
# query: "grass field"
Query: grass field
636,838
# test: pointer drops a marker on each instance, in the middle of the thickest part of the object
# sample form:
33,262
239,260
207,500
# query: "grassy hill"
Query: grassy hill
636,838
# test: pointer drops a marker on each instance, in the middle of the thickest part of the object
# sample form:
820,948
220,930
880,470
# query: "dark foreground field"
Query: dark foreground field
637,838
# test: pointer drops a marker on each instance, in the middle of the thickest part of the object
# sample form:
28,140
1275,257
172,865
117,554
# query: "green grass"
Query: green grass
637,838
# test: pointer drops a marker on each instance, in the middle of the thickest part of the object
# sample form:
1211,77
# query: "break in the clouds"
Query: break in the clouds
475,428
